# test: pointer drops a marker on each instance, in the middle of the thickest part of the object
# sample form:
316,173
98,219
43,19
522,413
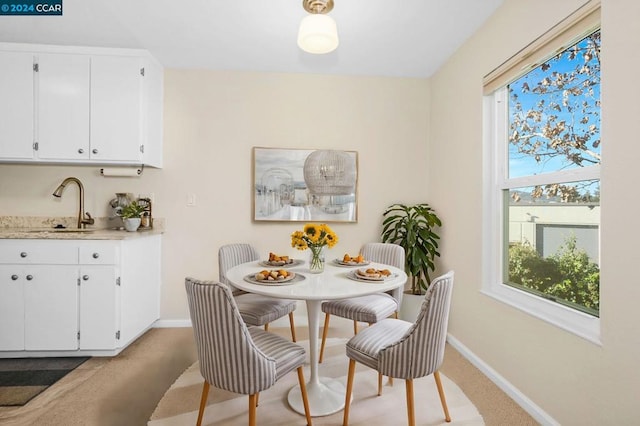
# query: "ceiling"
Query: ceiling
400,38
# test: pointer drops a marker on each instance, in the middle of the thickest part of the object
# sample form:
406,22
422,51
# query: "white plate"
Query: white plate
292,263
341,262
291,279
354,276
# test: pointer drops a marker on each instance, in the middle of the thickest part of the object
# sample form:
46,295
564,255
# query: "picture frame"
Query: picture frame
305,185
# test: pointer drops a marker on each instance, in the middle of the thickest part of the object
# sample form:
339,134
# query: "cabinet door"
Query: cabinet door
116,121
152,117
99,307
140,289
51,308
16,105
63,106
12,278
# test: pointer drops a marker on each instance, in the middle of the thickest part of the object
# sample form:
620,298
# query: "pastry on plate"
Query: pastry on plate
273,275
373,273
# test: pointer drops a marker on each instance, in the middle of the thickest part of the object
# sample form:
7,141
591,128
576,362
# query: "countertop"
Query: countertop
86,234
34,228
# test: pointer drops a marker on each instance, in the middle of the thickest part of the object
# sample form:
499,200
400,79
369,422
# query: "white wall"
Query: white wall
576,382
211,122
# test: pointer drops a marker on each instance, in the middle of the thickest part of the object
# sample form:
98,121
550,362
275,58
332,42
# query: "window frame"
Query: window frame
496,181
564,317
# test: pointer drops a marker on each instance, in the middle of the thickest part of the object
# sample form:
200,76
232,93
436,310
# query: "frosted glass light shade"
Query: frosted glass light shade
318,34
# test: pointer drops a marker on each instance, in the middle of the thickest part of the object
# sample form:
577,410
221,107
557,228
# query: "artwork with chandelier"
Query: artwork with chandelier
305,185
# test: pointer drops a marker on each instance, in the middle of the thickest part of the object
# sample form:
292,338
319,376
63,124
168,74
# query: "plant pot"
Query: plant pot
411,305
131,224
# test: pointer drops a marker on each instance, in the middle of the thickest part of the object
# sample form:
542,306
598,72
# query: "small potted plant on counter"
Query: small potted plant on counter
131,216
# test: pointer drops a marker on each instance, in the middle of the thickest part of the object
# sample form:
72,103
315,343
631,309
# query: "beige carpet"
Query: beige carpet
180,404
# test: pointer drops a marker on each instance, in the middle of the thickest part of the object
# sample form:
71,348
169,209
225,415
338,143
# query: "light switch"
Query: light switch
191,200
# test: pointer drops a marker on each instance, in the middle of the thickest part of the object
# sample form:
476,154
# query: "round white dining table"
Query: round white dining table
326,395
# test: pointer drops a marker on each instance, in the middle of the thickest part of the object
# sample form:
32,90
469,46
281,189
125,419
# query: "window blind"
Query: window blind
567,32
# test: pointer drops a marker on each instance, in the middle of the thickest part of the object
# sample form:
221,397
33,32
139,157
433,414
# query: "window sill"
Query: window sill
575,322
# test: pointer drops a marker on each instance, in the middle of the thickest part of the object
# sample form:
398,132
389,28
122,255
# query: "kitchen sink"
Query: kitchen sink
56,230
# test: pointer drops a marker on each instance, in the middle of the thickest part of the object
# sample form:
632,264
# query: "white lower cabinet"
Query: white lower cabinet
76,297
99,308
38,307
51,308
12,308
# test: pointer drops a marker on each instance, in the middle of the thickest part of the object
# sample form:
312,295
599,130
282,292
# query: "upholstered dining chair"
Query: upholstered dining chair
234,357
255,309
405,350
371,308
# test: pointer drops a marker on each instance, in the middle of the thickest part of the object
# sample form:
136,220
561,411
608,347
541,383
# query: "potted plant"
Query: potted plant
131,215
412,227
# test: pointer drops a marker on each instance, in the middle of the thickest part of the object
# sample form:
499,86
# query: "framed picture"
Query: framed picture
305,185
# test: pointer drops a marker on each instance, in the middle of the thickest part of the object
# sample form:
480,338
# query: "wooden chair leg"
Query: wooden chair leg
443,401
293,327
410,412
355,327
203,402
257,399
380,383
395,315
252,409
266,327
325,330
347,398
305,399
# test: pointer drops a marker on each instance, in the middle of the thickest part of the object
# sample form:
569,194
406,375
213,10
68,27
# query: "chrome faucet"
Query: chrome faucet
81,213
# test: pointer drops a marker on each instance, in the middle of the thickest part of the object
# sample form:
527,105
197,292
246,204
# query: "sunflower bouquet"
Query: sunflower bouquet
314,237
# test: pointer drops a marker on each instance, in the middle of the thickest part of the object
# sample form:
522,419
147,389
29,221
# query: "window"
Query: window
543,151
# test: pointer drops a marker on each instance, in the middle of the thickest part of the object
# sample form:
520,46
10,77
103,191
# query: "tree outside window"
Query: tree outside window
550,183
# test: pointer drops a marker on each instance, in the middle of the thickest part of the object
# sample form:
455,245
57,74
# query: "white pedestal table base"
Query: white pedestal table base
325,397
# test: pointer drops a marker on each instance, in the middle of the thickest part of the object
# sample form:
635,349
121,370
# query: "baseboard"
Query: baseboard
172,323
527,405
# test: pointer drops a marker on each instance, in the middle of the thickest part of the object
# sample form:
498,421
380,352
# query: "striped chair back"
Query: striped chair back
231,255
228,356
421,350
389,254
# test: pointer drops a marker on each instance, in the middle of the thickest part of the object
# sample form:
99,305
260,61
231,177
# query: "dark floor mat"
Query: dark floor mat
21,379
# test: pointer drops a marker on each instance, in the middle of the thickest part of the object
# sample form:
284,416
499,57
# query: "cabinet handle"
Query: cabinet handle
94,150
85,277
81,151
14,277
29,277
23,254
96,255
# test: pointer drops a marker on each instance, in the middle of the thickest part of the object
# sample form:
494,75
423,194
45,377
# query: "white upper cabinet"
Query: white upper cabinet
116,108
152,116
16,105
77,105
63,107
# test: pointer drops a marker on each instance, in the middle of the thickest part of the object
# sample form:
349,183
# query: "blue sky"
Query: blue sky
522,164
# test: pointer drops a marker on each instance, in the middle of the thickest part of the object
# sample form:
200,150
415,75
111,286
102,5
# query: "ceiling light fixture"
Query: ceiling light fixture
318,32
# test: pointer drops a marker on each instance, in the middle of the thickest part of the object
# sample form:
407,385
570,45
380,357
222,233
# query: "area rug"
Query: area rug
179,406
22,379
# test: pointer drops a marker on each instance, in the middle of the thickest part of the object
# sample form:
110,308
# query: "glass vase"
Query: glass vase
316,259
